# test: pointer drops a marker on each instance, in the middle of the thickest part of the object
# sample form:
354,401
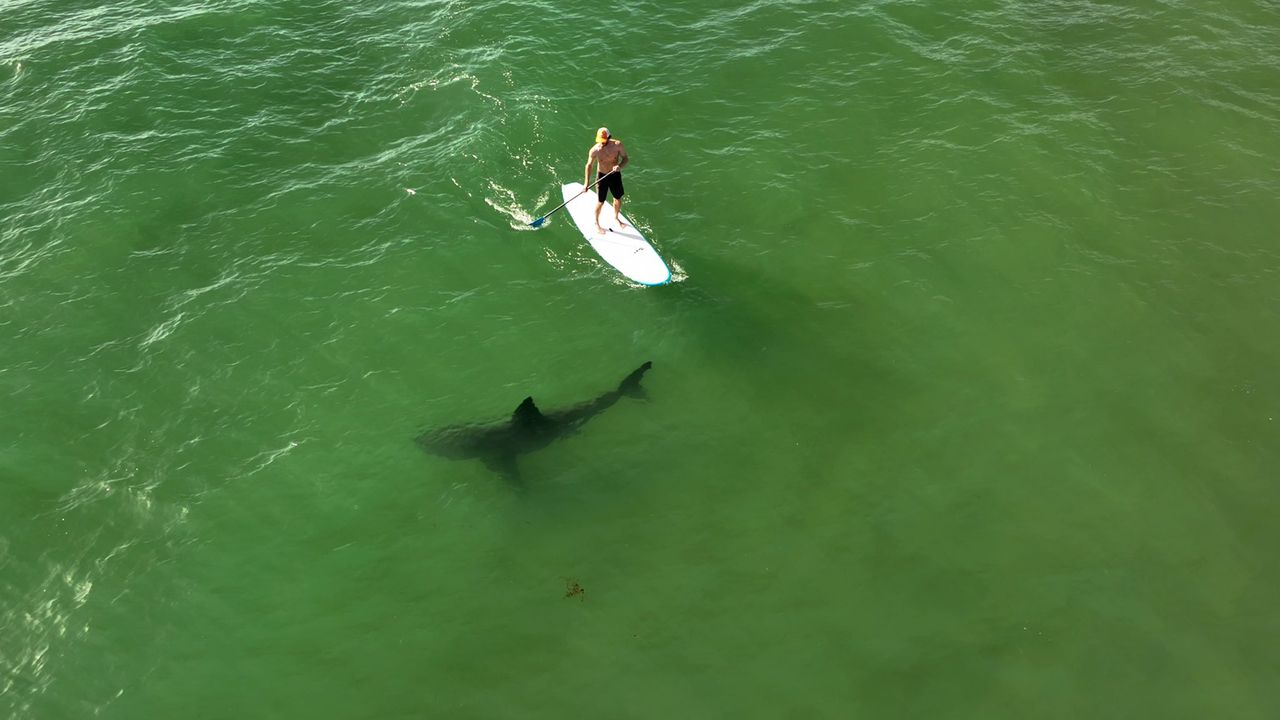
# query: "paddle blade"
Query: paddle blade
538,223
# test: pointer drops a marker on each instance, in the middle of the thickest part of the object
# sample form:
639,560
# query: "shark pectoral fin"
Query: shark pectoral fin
506,466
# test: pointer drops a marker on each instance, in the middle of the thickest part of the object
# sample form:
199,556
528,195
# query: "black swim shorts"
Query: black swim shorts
611,184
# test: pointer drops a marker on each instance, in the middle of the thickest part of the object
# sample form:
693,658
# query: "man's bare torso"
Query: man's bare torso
607,155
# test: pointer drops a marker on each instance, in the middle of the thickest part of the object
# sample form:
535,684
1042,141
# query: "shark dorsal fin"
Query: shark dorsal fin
527,413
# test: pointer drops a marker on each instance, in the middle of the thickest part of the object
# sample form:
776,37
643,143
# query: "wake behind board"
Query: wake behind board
623,248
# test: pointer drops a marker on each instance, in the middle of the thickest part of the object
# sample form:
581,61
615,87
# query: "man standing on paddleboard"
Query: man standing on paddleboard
607,153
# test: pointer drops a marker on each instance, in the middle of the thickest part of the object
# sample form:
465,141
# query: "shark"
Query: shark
529,429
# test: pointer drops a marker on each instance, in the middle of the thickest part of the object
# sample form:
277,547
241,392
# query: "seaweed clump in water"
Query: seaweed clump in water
573,589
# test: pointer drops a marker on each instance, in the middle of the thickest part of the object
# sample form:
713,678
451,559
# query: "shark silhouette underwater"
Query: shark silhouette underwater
499,444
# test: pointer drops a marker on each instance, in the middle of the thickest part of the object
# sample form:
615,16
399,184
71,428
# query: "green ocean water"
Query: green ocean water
963,400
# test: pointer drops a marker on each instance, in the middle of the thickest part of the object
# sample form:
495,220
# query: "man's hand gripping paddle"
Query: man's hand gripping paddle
538,223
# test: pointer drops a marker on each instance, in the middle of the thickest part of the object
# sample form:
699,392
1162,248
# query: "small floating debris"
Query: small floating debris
573,589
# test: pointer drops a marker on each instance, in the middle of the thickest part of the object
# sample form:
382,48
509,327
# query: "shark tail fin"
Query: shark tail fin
630,385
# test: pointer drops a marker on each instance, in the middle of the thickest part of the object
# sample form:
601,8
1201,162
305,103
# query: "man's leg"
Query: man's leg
617,212
598,206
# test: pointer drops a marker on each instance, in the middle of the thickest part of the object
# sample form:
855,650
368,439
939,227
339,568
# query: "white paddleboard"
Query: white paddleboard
622,247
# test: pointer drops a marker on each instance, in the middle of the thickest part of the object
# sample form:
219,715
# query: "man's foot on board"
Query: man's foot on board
599,229
622,224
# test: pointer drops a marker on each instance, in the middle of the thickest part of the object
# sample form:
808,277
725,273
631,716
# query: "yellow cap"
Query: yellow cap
602,134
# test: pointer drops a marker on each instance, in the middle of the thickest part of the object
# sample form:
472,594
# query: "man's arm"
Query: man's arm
623,158
586,174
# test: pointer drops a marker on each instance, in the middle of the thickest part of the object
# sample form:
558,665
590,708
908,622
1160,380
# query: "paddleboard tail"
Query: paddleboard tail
623,248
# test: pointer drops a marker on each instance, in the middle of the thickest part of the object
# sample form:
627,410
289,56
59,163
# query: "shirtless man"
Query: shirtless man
607,153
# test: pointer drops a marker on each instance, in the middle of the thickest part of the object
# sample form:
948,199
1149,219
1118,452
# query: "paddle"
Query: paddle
539,221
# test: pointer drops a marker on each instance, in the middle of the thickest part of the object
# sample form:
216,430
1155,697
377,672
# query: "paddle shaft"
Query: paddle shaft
538,222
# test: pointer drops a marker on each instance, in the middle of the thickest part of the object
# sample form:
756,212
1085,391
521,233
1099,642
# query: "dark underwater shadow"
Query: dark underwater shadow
500,443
